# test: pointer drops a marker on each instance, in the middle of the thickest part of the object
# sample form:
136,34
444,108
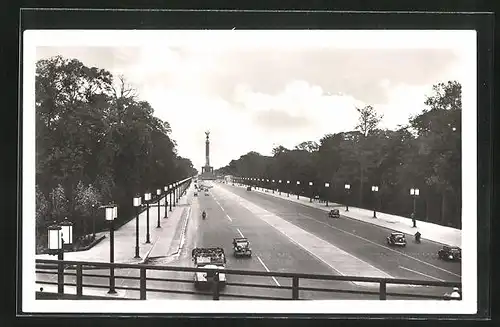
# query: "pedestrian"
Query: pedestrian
413,220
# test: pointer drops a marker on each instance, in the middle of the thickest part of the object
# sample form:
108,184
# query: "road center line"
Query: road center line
240,232
417,272
380,245
229,217
262,263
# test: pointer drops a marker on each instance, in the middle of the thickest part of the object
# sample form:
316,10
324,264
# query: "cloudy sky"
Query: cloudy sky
254,93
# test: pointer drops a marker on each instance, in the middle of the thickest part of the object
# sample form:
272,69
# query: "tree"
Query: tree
42,207
59,203
87,200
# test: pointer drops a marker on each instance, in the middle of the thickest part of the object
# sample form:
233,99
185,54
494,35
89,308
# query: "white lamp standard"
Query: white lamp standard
288,189
67,231
279,187
310,192
111,213
165,189
170,195
374,190
55,245
414,192
298,189
158,196
137,204
347,188
327,188
273,186
147,198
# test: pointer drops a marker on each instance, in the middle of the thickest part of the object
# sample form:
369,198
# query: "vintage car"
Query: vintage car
206,193
452,253
241,247
396,238
334,213
210,258
249,188
195,193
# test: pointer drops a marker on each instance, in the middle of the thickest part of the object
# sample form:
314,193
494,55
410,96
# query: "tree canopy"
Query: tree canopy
426,153
96,142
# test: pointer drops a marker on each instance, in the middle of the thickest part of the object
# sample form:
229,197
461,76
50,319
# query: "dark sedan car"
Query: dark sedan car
334,213
396,238
453,253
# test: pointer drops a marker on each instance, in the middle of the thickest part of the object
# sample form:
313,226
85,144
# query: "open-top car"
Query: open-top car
241,247
452,253
211,258
334,213
195,193
396,238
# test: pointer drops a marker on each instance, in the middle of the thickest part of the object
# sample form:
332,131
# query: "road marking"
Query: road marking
240,232
268,270
380,245
229,217
417,272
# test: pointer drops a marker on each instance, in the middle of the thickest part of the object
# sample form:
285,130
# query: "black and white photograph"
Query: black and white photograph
248,171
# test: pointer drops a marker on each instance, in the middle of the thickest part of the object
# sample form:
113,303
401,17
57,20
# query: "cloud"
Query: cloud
254,97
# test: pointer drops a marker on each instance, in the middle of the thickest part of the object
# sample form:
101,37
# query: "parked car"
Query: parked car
249,188
195,194
396,238
452,253
334,213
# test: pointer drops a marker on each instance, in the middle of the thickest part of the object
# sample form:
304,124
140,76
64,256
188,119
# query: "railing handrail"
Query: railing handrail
254,273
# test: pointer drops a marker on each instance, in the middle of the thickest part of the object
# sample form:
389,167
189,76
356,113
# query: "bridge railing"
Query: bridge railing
77,270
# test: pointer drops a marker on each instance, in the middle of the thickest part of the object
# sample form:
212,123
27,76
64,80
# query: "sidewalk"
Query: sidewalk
124,242
432,232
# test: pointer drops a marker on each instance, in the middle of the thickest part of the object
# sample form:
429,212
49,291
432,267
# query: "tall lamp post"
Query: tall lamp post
374,190
110,214
158,195
414,192
327,187
166,204
273,186
267,186
347,188
147,198
279,187
170,194
288,189
310,192
137,204
55,243
298,189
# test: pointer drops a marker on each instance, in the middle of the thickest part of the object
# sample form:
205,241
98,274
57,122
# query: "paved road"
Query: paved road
275,252
365,241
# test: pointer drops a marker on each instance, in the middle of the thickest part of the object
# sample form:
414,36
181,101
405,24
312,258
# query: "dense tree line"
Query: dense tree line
96,143
426,153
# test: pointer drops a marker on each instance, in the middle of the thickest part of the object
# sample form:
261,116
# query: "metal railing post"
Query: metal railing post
143,284
216,287
79,280
295,288
383,290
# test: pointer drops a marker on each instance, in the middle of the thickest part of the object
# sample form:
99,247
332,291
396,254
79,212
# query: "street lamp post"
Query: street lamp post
147,198
166,204
158,195
55,244
267,186
170,195
298,189
279,187
288,189
414,192
137,204
110,214
272,185
327,186
310,192
347,188
374,190
93,221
